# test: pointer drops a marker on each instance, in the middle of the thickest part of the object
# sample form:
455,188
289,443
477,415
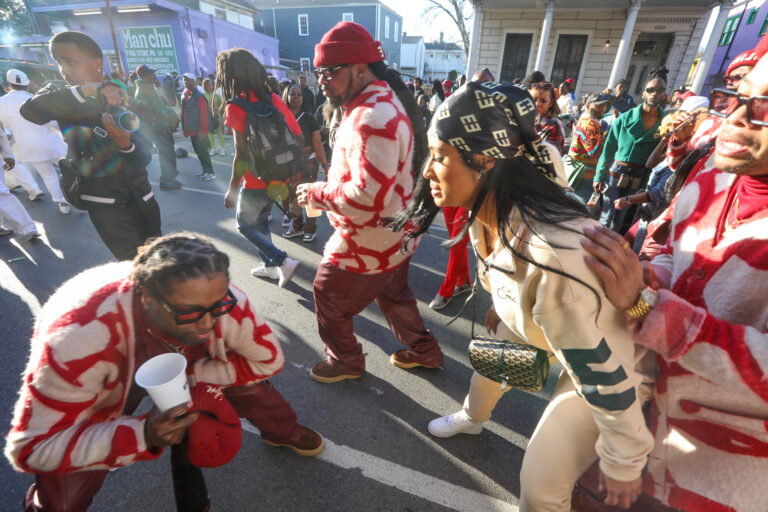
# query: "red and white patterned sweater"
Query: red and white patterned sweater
370,181
710,418
81,367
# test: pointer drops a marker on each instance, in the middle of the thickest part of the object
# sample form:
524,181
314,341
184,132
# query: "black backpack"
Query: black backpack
274,152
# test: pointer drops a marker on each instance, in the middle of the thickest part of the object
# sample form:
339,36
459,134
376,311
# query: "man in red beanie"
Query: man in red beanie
370,181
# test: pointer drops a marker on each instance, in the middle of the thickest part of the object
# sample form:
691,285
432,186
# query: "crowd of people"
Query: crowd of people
655,312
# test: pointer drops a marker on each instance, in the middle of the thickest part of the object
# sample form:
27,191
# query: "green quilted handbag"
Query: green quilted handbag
513,364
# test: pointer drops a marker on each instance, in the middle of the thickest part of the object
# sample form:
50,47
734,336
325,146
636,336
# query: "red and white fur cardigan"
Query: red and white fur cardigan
710,417
81,367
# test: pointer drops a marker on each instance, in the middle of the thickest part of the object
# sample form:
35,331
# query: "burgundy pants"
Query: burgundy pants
457,272
340,295
259,403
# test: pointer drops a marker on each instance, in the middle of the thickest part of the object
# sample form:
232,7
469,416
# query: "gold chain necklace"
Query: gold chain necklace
731,226
172,348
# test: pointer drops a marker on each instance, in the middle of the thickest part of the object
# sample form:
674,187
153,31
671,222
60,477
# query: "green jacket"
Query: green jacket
159,114
628,141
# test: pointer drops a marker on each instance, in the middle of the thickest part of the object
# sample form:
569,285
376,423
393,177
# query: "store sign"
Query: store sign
152,46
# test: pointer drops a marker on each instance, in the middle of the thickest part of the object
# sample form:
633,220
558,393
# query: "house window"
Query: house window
220,13
348,16
568,57
729,30
303,24
517,50
397,30
752,15
764,29
304,65
386,27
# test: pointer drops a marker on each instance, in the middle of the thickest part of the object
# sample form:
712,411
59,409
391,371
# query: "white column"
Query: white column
620,64
546,25
702,68
474,45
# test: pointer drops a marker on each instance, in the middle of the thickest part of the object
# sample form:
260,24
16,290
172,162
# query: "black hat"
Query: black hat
598,98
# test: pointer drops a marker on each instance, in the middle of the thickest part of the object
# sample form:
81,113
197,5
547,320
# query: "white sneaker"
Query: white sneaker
286,271
64,208
456,423
35,196
268,272
286,221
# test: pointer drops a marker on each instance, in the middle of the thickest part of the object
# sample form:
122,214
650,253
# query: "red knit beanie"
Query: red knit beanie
748,58
347,43
214,439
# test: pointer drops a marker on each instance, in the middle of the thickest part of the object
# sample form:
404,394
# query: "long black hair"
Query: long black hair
239,72
437,88
392,77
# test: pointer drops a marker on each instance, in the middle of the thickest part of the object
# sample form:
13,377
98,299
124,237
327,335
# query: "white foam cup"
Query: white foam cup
165,379
312,212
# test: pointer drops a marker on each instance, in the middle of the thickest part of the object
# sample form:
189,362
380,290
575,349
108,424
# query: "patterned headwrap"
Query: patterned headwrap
494,119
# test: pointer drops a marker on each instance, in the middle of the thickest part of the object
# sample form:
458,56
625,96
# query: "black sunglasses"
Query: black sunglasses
651,90
327,72
190,316
723,103
541,85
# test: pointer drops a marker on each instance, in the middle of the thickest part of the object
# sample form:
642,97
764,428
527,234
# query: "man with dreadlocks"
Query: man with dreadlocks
241,75
74,419
379,141
621,170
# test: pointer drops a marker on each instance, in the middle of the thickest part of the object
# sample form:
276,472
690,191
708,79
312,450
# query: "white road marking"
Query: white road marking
407,480
12,284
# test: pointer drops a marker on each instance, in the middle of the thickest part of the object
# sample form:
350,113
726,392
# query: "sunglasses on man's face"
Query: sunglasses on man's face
651,90
541,85
723,103
192,315
327,72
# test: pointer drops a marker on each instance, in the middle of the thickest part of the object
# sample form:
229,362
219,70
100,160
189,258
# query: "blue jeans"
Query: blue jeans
611,218
253,206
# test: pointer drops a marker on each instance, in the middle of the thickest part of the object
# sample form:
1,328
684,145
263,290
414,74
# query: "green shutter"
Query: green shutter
765,25
752,16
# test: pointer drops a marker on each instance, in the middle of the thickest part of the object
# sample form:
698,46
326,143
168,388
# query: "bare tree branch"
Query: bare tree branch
455,10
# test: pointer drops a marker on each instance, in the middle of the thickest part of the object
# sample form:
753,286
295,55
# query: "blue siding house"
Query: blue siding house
300,24
747,23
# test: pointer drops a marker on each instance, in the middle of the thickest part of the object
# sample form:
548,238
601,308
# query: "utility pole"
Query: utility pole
114,41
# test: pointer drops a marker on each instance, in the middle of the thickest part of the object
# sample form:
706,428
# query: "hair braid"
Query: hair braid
176,257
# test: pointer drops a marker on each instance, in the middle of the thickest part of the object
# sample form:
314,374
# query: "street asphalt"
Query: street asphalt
380,456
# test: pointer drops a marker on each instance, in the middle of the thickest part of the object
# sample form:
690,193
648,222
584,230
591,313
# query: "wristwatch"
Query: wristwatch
645,301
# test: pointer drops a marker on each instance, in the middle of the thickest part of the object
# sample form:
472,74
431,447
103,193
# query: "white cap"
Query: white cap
189,75
16,77
692,103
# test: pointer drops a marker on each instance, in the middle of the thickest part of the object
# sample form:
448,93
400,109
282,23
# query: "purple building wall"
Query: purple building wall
197,37
746,38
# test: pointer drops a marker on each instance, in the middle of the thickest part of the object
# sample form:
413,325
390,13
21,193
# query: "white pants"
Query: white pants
12,211
20,175
50,176
561,448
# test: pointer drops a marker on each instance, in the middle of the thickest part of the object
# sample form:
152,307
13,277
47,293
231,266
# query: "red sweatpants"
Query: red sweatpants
260,403
340,295
457,272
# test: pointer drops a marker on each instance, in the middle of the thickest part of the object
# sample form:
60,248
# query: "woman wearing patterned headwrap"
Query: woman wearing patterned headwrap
526,231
